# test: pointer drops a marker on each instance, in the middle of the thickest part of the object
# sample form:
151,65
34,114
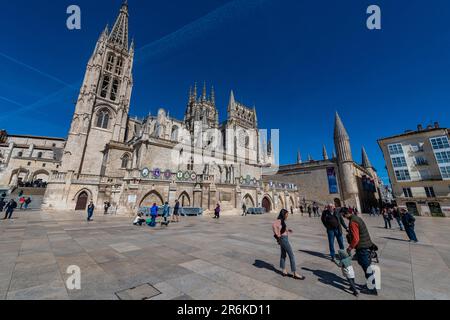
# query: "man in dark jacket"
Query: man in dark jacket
359,240
10,209
409,223
331,222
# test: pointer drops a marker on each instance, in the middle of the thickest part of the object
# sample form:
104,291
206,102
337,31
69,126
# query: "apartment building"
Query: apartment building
418,164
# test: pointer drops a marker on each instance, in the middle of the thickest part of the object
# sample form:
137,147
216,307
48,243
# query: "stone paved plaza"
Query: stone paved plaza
201,258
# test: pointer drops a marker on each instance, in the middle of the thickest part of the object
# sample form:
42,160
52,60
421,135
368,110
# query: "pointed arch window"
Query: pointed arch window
110,62
114,89
174,136
105,86
119,66
103,118
125,161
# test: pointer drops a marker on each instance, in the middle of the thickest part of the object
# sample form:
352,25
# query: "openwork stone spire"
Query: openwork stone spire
119,33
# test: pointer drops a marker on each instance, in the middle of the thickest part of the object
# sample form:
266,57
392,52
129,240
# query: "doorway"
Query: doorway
435,209
82,201
266,204
412,208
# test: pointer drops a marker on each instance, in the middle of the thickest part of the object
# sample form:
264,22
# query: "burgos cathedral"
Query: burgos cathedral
133,163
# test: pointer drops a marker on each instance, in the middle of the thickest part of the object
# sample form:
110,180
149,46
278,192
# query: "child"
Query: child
344,261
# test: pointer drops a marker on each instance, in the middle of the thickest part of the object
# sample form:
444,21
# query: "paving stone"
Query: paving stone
50,291
235,258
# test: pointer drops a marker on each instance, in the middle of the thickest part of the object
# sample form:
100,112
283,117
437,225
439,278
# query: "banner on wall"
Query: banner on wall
332,180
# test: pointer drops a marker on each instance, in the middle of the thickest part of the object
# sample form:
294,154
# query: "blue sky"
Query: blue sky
298,61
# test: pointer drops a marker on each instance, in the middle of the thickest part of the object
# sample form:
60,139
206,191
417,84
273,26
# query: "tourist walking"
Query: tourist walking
409,223
27,203
309,211
244,210
90,211
334,231
166,215
106,207
153,215
373,211
217,212
22,202
397,217
176,212
281,234
9,209
344,261
317,211
387,219
359,240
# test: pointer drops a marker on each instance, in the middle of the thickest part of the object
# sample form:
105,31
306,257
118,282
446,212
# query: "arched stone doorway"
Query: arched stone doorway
281,203
42,175
266,204
248,201
185,200
151,198
291,203
18,176
82,201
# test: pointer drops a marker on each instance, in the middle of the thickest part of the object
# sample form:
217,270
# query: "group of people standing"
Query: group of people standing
11,205
405,221
151,217
358,239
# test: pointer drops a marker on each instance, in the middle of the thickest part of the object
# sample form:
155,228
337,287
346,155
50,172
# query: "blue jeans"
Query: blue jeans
411,233
90,214
364,260
8,213
399,221
286,249
387,223
335,233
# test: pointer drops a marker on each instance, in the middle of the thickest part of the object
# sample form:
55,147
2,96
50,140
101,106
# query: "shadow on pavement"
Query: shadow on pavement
264,265
395,239
330,279
316,254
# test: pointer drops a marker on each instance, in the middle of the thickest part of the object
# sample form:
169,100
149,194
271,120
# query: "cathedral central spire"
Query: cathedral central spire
119,33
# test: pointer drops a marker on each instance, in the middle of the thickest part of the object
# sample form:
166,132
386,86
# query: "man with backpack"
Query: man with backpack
331,222
359,240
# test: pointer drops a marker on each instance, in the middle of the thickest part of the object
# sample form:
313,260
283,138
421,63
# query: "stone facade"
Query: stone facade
133,163
339,179
26,159
418,164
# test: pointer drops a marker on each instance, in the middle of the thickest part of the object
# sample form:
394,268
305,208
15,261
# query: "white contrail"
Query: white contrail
224,14
34,69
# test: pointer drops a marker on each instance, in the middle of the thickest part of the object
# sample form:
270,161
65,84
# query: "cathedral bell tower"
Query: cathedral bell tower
349,187
101,112
201,109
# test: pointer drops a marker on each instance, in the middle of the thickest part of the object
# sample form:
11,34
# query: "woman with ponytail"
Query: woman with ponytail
281,233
